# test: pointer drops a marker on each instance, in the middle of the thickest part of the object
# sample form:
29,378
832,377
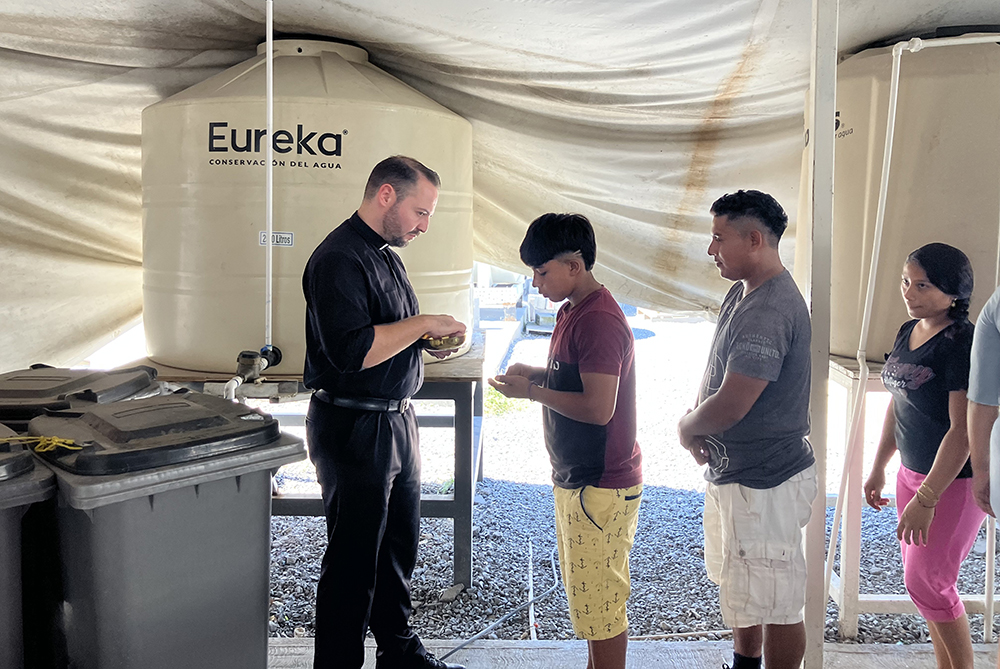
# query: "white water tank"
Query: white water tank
203,183
944,179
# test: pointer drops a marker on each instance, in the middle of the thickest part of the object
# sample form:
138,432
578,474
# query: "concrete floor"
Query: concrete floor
297,654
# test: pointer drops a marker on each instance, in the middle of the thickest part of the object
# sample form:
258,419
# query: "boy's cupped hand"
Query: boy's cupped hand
511,385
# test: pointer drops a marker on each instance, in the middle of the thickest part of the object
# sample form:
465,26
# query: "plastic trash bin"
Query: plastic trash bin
27,393
163,523
22,483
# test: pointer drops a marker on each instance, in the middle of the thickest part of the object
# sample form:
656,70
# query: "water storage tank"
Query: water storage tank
203,152
944,180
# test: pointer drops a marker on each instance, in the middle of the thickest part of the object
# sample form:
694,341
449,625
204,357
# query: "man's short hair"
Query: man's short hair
400,172
756,205
552,235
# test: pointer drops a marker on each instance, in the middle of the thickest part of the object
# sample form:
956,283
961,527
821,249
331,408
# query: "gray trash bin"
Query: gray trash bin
164,531
23,482
27,393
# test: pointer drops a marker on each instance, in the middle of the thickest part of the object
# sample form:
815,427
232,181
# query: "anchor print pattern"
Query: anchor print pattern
591,551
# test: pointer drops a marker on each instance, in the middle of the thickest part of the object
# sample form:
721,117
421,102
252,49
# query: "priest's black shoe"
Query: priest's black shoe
427,661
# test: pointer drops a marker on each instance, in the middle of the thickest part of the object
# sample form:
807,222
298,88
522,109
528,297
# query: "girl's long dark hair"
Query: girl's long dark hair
950,271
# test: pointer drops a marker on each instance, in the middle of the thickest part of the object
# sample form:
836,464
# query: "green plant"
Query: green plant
497,404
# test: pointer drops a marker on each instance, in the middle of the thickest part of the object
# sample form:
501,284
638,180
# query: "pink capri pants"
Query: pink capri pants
931,571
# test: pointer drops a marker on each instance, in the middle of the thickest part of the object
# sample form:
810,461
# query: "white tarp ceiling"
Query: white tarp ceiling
637,114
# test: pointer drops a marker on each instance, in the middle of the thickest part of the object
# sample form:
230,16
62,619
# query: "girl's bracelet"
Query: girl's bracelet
926,497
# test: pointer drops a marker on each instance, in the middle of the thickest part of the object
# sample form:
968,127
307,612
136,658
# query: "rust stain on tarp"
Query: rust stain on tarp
671,259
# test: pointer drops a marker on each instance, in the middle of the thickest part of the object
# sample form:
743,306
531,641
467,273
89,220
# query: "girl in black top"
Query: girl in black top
927,374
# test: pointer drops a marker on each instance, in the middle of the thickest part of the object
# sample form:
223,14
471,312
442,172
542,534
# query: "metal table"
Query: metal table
459,380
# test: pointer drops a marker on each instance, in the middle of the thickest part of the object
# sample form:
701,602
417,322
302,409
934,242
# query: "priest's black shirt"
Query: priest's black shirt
352,282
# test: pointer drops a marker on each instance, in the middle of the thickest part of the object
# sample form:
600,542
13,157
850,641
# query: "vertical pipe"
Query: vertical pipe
823,105
269,172
855,442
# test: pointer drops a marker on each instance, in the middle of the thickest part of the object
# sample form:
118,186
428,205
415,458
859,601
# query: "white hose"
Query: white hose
531,594
556,584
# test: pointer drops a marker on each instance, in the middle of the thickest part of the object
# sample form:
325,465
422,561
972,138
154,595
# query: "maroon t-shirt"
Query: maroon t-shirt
593,337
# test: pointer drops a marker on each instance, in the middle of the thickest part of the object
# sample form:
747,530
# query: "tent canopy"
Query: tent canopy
635,114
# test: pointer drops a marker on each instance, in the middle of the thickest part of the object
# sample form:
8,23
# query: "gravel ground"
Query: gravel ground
513,509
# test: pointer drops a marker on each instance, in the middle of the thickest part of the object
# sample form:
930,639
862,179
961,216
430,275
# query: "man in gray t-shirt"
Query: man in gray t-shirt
750,427
763,335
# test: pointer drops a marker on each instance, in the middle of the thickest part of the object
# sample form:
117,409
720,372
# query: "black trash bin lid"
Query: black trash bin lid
153,432
15,459
27,393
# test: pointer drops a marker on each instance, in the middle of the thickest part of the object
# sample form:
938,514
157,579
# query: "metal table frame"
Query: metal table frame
459,380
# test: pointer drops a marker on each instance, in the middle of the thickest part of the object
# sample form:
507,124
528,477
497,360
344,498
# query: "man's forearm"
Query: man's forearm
724,409
571,405
392,338
582,407
710,417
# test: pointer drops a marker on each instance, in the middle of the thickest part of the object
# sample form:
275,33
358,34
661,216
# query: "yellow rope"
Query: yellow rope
43,444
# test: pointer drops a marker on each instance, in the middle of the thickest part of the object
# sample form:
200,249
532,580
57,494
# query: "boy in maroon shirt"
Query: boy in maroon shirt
588,395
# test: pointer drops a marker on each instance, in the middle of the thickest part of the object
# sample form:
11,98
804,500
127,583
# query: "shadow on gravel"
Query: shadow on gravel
670,592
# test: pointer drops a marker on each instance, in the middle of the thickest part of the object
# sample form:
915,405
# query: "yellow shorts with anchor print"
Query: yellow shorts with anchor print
595,528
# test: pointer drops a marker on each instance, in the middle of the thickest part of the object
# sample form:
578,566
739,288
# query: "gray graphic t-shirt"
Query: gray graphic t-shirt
766,336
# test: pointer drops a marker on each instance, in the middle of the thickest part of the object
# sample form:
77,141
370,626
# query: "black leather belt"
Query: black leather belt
364,403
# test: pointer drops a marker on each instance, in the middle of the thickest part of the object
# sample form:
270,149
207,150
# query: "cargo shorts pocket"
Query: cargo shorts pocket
761,551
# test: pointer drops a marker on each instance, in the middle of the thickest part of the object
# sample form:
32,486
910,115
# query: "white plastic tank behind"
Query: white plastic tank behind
203,152
944,180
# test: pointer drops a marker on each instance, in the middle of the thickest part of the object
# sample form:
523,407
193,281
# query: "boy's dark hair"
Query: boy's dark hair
551,235
753,204
950,271
400,172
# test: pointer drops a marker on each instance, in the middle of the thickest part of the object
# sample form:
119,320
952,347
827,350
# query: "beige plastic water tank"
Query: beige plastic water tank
944,179
203,152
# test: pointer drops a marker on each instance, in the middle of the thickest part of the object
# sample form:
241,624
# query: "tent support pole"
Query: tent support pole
823,87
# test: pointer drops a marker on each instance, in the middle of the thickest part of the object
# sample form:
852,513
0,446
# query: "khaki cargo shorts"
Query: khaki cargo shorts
754,549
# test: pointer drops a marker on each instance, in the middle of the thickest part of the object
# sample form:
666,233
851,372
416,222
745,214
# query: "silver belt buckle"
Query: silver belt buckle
404,404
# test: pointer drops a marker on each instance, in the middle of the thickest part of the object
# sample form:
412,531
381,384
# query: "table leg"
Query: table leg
465,483
477,413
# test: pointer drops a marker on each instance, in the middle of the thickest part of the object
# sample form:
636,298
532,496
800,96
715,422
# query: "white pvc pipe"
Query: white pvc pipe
916,44
269,171
229,391
856,436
